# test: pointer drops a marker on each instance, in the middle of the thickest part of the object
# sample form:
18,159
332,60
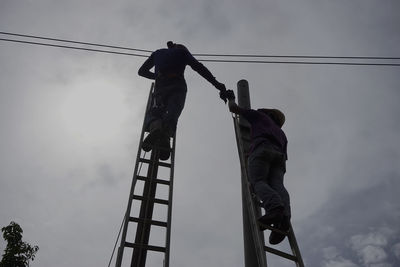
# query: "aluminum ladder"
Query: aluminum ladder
149,206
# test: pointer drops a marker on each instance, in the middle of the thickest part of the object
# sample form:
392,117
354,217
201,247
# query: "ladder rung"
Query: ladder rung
146,247
159,181
163,164
281,253
156,200
158,223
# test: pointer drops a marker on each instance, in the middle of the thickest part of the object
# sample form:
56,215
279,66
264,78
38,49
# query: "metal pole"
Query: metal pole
243,94
250,249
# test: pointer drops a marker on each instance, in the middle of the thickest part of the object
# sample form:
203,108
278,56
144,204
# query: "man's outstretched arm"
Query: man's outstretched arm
204,72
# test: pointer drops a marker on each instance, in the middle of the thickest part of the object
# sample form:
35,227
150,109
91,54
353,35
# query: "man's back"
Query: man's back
170,64
171,61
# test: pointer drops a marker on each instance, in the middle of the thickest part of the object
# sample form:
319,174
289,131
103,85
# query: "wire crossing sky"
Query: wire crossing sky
367,60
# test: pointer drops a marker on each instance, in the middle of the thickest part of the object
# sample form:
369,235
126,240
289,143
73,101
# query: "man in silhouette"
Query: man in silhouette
267,164
170,92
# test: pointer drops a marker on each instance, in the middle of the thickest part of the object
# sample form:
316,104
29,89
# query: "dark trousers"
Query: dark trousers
267,168
169,103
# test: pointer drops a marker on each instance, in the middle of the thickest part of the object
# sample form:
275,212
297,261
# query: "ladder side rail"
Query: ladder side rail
257,238
139,254
170,196
295,247
129,206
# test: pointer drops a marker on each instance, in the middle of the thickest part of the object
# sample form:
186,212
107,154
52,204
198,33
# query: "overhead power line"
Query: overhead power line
294,56
73,47
349,60
202,54
74,42
303,62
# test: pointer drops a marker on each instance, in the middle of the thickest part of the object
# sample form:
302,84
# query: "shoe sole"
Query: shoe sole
276,238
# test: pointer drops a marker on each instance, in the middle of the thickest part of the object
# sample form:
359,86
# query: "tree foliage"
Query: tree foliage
17,253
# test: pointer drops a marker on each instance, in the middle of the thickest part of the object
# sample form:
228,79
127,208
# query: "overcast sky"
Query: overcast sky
71,121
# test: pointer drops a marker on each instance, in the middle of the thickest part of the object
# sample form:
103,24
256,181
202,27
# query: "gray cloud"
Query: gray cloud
339,262
396,250
371,247
346,234
70,123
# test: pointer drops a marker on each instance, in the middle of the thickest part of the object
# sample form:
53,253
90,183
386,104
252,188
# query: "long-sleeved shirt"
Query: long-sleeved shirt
171,62
265,130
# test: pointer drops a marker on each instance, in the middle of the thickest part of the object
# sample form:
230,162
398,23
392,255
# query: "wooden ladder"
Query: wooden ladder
150,174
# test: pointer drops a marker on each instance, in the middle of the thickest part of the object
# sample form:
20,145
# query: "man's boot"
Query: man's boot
154,135
272,217
164,146
275,237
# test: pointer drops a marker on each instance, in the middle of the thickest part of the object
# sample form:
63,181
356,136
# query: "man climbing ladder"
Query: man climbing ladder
267,165
170,92
253,223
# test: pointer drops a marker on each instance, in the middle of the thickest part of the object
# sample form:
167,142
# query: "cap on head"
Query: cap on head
276,115
181,46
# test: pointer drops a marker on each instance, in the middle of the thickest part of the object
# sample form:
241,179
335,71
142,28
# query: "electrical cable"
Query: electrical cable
74,42
203,54
302,62
294,56
73,47
218,60
116,241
